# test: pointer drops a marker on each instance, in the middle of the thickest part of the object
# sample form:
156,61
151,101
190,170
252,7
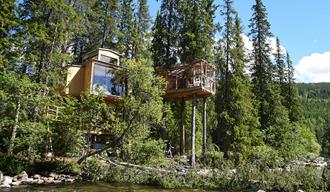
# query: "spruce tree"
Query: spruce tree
165,34
273,115
238,119
224,62
9,22
196,29
144,19
158,48
280,68
126,29
291,97
101,24
280,63
48,28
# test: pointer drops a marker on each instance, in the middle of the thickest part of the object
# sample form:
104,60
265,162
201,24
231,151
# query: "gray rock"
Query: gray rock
17,183
69,180
28,181
7,181
22,176
300,190
261,190
36,176
1,177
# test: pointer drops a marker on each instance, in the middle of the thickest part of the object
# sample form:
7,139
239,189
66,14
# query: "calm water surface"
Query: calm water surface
98,187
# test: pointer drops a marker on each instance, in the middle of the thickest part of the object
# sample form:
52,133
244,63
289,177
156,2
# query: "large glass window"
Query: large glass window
104,81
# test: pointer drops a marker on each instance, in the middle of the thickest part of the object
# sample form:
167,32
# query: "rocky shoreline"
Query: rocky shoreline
23,179
36,179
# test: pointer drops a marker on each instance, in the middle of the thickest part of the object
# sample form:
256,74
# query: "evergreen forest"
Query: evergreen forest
259,118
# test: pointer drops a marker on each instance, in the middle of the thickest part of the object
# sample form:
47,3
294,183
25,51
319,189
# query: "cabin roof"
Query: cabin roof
177,69
102,49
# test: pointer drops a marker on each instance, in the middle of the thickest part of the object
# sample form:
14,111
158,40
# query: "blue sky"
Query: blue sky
303,27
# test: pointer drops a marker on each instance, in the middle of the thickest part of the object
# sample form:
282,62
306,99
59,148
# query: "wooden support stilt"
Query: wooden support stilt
193,132
204,125
182,131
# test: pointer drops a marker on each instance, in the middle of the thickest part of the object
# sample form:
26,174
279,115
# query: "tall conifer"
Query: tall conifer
273,115
165,34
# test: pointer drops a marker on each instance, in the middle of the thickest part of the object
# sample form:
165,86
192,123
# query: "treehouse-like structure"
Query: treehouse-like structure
183,81
190,82
96,74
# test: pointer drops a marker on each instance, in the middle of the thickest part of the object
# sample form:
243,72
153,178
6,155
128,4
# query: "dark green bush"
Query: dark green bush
11,164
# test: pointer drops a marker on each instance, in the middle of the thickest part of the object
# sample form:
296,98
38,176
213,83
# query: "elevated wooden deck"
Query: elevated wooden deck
185,80
187,93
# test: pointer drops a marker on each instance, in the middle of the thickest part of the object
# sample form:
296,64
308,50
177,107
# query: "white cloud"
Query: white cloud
272,43
314,68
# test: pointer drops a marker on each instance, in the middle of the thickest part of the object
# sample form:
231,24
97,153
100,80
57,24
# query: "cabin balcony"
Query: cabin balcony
186,80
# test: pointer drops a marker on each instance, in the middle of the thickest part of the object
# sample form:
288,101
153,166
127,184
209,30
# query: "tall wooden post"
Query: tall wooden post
204,125
193,131
182,131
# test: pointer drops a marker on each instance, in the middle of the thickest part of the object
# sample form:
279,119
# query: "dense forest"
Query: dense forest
258,113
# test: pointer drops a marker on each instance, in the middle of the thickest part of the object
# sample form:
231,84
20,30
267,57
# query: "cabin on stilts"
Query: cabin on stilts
190,82
96,74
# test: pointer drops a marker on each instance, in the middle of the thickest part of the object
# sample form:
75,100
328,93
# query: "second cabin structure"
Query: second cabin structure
96,74
185,80
190,82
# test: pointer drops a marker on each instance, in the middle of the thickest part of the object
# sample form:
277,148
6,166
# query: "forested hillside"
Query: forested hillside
255,120
315,98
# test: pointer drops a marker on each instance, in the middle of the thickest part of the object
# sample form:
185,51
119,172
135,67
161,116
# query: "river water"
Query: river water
97,187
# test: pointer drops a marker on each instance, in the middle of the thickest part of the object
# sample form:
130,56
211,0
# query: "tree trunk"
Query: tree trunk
204,125
193,130
13,134
182,133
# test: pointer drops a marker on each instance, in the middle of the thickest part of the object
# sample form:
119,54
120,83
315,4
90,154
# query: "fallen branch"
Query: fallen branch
124,164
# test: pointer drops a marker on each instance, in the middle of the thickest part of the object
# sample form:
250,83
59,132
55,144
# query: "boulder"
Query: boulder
17,183
7,181
22,176
1,177
36,176
69,180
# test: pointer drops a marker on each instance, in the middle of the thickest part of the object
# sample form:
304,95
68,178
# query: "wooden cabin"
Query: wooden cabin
190,82
185,80
96,74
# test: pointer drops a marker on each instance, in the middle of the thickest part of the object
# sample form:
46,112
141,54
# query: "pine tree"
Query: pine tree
9,22
158,48
101,24
273,115
144,19
291,97
166,34
262,67
280,63
224,63
126,29
48,28
238,121
196,30
280,68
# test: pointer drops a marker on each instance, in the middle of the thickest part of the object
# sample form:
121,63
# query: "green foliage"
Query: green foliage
213,158
237,118
147,152
315,107
11,165
93,169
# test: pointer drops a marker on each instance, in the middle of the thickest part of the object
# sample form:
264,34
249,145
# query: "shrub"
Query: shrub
145,152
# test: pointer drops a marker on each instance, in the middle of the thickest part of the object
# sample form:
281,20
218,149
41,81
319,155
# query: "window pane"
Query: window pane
104,81
105,59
